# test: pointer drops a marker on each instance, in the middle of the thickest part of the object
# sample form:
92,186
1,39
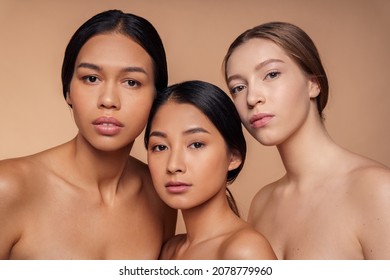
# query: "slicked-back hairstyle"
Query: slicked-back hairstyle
297,44
217,107
115,21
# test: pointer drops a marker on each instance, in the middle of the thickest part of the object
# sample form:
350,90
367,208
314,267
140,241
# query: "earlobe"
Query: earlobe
314,88
235,160
68,99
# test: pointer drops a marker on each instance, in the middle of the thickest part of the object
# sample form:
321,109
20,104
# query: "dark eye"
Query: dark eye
272,75
197,145
90,79
132,83
159,148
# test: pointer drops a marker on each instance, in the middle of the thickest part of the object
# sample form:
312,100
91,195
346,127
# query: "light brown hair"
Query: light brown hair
297,44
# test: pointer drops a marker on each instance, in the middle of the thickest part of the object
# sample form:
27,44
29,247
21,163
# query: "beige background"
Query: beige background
353,38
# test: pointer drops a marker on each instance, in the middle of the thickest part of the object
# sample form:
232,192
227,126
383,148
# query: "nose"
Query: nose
176,162
109,97
254,96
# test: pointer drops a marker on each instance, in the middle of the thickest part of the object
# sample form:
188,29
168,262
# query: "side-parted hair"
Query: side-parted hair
217,107
298,46
115,21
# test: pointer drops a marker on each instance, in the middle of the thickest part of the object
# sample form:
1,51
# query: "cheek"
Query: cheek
81,108
137,110
217,159
157,167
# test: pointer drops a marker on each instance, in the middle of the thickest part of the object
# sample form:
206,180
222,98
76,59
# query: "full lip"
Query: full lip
260,119
107,125
177,187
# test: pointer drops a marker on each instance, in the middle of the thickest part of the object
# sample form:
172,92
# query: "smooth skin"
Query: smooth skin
87,198
331,203
189,160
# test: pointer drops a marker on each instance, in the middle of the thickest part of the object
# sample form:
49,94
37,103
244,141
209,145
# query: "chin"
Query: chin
269,142
111,148
265,141
177,204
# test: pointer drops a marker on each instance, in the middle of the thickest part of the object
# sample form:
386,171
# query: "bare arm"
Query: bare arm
373,204
10,210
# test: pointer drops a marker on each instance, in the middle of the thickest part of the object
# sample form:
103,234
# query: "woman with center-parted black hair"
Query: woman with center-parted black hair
87,198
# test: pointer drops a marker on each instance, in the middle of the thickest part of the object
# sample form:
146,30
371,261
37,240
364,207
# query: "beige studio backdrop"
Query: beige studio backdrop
353,38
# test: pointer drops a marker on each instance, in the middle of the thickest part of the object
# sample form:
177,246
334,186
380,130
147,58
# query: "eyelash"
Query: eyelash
236,89
275,73
130,83
197,145
134,83
160,147
271,75
88,77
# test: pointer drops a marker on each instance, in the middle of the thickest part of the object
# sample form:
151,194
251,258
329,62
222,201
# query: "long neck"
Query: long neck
307,152
99,169
208,219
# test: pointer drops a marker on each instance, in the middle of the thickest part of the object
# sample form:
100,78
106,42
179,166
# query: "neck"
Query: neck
306,154
98,169
208,220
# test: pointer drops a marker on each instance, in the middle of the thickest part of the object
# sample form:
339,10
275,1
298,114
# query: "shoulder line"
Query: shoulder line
247,244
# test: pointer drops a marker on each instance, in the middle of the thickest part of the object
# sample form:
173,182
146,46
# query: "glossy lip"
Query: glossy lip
177,187
260,120
107,126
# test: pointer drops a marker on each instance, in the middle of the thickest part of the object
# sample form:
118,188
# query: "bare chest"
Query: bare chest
75,230
323,230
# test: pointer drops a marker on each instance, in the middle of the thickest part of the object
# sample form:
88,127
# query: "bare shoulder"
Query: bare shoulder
22,179
262,198
247,244
16,194
368,176
369,195
169,248
19,178
371,170
370,186
14,177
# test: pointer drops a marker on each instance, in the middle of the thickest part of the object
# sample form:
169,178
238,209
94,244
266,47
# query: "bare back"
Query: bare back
343,215
45,214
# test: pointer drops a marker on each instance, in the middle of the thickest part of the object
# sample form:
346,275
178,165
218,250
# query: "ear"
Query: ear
314,88
68,100
235,160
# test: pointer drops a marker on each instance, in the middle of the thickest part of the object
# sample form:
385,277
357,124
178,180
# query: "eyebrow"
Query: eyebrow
258,67
98,68
266,62
187,132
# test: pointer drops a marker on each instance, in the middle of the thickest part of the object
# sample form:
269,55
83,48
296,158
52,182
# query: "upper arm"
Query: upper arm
374,214
10,209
